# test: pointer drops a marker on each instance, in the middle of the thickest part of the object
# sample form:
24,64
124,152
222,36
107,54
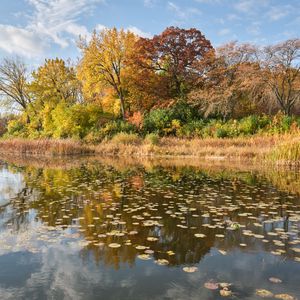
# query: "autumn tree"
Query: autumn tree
281,64
172,55
228,80
104,63
53,82
13,84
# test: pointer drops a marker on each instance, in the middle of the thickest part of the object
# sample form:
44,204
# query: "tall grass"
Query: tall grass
47,147
283,148
287,153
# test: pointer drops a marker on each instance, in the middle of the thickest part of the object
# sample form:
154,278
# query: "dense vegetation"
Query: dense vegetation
174,84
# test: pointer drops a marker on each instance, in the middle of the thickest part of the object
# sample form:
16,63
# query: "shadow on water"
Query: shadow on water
125,228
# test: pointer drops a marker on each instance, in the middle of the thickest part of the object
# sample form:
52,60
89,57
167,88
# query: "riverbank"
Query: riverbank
282,149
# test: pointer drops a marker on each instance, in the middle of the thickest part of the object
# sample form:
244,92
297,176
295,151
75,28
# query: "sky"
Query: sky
39,29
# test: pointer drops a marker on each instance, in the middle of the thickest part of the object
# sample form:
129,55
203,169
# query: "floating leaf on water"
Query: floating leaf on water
114,245
226,293
149,251
211,285
264,293
297,259
220,235
162,262
144,256
190,269
235,226
199,235
139,247
224,284
259,236
152,239
133,232
223,252
275,280
284,297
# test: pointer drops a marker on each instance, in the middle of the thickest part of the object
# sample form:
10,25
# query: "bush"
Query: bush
157,121
126,138
17,127
152,138
192,129
249,125
112,128
221,133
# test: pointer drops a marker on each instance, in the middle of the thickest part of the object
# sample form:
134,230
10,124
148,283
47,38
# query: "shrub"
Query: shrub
126,138
114,127
249,125
157,121
17,127
152,138
221,133
183,112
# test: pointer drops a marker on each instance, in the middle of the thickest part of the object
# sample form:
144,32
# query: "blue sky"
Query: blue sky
39,29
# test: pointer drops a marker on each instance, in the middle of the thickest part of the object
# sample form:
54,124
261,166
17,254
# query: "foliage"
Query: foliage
61,122
172,55
104,62
114,127
173,84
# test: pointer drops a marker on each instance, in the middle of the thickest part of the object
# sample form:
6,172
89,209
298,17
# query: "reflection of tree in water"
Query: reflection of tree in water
88,196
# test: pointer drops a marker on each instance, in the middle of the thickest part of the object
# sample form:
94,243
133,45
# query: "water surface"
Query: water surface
100,230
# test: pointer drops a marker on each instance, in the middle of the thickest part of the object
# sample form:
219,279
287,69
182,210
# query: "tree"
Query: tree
104,63
55,82
282,73
228,80
13,84
172,55
52,84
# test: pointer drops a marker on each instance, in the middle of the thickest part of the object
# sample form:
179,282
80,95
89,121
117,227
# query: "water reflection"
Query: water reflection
131,227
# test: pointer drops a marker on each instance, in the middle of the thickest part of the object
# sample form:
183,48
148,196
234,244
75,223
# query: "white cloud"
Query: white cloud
14,40
250,6
56,17
233,17
149,3
130,28
224,31
100,27
50,22
209,1
183,13
244,6
277,13
254,28
139,32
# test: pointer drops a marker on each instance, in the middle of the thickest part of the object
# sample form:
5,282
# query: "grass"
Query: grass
287,153
283,148
46,147
215,148
123,138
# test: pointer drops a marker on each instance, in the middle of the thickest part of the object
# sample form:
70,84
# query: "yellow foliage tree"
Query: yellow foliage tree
104,63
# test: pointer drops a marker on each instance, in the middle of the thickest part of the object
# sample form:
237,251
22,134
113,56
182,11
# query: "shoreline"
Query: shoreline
262,149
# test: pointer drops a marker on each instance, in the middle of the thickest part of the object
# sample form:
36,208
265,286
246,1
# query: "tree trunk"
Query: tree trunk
122,102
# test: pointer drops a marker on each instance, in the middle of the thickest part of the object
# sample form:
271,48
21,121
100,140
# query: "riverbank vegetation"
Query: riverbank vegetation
174,92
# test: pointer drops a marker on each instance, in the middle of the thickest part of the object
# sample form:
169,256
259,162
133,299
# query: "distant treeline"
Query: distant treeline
175,83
